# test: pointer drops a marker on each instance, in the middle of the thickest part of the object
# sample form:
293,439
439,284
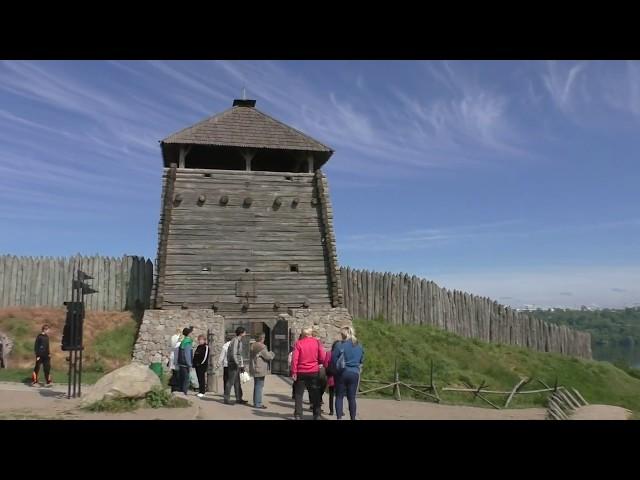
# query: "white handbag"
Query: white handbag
244,377
193,378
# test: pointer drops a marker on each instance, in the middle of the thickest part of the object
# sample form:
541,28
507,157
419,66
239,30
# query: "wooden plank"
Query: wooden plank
518,386
49,281
141,283
20,282
18,291
37,301
55,282
44,301
3,278
4,284
94,271
33,280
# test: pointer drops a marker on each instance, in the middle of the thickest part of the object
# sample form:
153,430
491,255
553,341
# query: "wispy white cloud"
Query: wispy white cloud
560,80
420,239
548,287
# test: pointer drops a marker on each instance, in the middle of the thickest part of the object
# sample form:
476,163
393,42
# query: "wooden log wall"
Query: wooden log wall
47,281
236,232
404,300
328,234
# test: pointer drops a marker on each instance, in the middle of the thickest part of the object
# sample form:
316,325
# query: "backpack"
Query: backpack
338,363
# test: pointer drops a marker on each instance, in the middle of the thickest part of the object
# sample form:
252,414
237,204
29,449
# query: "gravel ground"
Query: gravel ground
19,401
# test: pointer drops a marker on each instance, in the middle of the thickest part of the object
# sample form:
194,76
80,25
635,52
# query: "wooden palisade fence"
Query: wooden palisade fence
122,283
409,300
400,299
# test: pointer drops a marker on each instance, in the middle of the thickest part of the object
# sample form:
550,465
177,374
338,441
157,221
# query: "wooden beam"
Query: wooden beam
310,162
248,154
518,386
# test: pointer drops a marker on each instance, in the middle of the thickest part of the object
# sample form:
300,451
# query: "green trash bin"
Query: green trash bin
157,368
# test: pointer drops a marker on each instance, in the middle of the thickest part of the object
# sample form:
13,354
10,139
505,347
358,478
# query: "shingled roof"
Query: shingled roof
244,126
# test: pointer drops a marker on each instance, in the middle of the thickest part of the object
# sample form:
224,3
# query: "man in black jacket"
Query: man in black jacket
43,356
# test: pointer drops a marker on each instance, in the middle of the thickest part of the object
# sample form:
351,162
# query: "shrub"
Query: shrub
156,398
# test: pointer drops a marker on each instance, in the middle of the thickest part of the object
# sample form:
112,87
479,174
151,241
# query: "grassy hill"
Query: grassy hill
108,338
457,360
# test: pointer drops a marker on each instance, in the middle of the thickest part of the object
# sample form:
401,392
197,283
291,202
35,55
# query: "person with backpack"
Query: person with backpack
260,358
200,358
185,361
308,354
223,362
236,367
347,358
43,357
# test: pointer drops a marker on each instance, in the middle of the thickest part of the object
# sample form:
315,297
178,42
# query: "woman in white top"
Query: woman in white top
174,344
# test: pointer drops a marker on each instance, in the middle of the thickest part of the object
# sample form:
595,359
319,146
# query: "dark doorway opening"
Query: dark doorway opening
280,346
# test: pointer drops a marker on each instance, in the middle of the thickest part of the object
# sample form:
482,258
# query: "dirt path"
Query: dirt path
601,412
23,402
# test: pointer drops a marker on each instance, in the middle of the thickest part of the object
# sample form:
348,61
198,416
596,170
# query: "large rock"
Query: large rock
131,381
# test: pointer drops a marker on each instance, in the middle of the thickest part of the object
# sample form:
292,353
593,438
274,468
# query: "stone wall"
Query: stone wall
328,322
159,325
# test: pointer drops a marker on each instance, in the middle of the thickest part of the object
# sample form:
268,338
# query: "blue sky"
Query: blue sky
512,179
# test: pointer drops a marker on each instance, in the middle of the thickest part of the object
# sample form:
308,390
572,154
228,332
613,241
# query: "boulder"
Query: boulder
131,381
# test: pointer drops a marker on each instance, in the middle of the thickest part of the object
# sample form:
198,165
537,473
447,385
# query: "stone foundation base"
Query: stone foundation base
158,326
328,322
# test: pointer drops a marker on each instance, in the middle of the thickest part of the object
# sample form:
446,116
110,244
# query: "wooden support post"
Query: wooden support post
435,392
181,158
431,374
396,385
518,386
310,162
212,381
571,402
580,396
248,155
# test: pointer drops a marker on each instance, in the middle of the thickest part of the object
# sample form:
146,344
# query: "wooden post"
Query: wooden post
212,381
396,385
181,158
515,390
248,155
310,162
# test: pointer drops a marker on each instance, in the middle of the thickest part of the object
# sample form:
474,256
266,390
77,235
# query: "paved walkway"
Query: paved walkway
23,402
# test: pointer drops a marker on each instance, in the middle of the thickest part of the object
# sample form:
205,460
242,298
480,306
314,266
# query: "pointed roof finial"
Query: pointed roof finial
244,93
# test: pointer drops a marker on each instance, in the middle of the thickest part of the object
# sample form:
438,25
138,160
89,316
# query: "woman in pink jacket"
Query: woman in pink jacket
308,355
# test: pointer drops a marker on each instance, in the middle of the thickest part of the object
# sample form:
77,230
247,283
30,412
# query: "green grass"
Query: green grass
156,398
115,344
21,335
457,360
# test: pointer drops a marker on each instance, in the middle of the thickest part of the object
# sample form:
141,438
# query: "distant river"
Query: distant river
611,353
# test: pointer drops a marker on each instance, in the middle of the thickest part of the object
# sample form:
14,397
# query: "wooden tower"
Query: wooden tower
246,226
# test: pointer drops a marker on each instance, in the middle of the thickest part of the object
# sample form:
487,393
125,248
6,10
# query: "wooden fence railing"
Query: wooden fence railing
560,404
